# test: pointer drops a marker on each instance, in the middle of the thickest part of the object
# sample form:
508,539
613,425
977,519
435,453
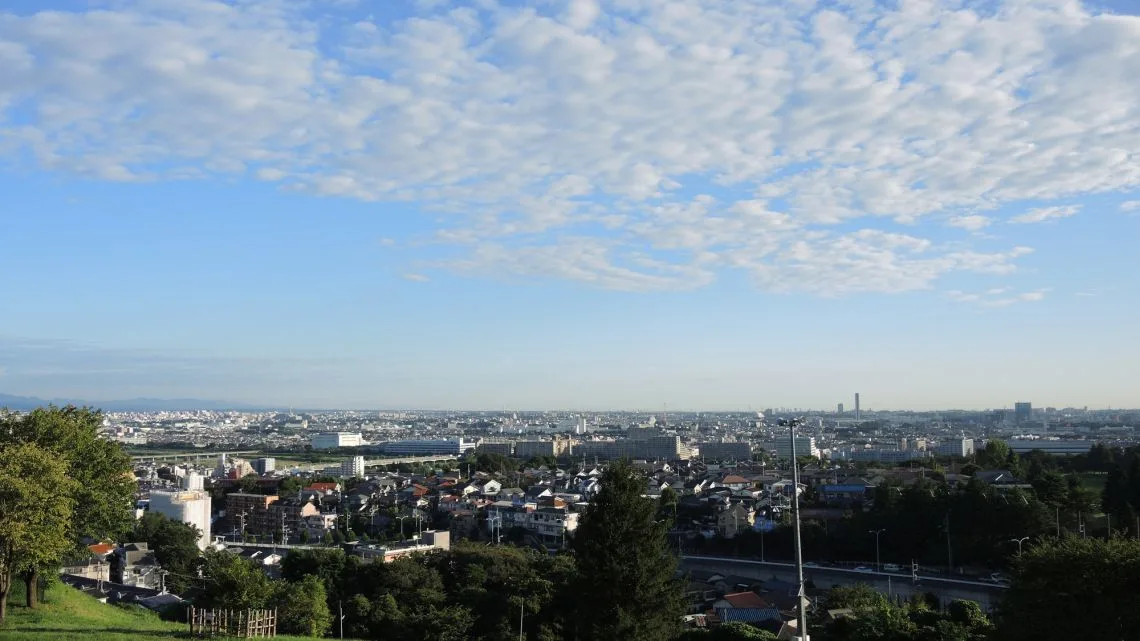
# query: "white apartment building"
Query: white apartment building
782,447
188,506
352,467
960,447
330,440
426,447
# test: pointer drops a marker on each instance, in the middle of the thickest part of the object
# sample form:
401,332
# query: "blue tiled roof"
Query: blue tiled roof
843,488
748,615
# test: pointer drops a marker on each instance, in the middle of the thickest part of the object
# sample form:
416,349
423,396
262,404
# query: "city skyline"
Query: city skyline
617,204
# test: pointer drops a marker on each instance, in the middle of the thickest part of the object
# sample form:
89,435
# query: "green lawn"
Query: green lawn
67,614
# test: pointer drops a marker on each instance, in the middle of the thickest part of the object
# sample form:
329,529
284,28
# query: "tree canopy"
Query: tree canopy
36,511
105,486
175,546
1069,588
626,585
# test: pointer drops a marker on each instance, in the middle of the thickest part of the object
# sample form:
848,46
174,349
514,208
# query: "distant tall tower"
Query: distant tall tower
839,409
1022,412
858,414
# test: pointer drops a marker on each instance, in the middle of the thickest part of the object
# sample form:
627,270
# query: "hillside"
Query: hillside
68,614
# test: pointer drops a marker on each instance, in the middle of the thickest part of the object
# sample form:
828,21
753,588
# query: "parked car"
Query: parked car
891,567
863,568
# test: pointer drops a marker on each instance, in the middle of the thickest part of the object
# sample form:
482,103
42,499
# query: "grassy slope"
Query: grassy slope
68,614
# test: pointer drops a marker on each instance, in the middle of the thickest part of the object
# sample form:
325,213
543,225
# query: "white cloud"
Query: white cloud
416,278
574,126
997,297
1042,214
1130,205
973,222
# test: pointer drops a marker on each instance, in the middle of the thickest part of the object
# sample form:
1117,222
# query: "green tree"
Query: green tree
175,546
1115,497
248,484
1058,587
626,584
883,622
302,607
289,486
103,494
36,510
327,565
668,502
737,631
995,454
856,597
232,582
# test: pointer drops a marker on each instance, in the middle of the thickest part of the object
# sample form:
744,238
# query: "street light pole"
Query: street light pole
1019,542
802,594
878,562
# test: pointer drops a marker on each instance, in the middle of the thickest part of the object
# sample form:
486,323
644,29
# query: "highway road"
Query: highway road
895,585
307,467
189,455
316,467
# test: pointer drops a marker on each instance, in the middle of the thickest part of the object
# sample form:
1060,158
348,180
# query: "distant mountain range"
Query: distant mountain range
131,405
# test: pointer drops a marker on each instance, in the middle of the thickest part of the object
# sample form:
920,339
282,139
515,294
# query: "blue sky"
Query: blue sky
554,204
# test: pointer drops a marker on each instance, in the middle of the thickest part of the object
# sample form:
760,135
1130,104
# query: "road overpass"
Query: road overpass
403,460
194,456
895,585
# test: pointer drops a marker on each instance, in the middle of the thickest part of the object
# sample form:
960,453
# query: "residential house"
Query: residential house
745,607
134,564
735,482
733,520
287,514
848,494
316,525
430,540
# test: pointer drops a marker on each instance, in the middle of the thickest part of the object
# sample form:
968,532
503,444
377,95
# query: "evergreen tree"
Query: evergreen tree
627,589
1115,497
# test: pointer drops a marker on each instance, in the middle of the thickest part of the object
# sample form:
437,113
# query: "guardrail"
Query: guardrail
814,567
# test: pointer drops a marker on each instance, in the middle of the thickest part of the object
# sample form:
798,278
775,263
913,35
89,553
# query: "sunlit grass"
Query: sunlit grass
69,615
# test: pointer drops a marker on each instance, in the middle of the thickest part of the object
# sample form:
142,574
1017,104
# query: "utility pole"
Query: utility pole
949,547
340,612
802,594
522,605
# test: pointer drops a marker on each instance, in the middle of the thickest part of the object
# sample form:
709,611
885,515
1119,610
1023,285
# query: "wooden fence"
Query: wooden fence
244,624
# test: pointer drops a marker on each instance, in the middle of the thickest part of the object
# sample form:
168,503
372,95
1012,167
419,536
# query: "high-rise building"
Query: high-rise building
1022,412
352,467
858,413
190,506
193,481
782,446
264,465
725,451
957,447
839,409
580,426
413,448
